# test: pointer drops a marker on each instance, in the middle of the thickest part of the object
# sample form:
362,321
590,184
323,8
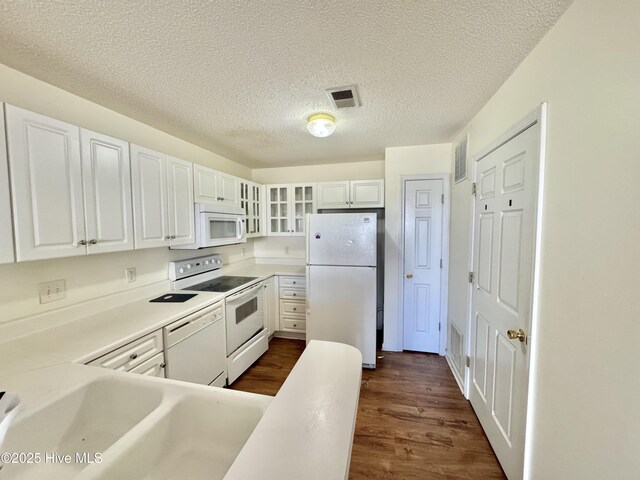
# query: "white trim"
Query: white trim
444,253
539,115
453,369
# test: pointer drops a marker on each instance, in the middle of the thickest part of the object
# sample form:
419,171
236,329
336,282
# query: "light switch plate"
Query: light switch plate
131,274
52,291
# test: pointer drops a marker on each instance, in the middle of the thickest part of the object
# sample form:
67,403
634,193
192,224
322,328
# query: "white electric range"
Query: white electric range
246,337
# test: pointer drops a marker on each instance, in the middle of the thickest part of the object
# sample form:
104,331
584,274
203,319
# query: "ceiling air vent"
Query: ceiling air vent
344,97
461,159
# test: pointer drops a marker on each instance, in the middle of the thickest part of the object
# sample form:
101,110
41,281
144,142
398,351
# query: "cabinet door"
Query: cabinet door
229,190
278,210
205,184
46,185
6,224
303,202
367,194
245,205
106,178
149,181
256,198
333,194
180,201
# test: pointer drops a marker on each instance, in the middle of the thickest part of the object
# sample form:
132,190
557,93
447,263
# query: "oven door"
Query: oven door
221,229
244,316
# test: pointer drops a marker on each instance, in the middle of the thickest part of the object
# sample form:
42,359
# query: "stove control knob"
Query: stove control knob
181,270
188,266
219,261
207,262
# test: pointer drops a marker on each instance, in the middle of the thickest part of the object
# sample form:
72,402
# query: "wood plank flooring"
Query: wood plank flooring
413,422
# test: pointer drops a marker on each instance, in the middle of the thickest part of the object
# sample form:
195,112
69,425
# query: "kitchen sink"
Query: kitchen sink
87,420
199,438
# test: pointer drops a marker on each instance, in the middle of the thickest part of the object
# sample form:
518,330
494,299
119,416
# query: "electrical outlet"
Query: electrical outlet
244,251
286,250
130,273
52,291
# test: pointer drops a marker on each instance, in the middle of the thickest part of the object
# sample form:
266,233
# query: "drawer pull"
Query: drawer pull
294,294
133,356
295,324
293,283
294,309
163,365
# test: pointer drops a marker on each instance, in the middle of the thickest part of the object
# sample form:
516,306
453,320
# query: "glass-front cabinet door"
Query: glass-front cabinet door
245,205
303,203
256,227
278,210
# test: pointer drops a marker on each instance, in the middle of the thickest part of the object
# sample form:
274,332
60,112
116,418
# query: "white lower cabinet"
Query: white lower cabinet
7,254
270,305
154,367
292,304
139,355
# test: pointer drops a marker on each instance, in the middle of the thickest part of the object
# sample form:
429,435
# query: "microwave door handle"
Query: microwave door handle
240,228
244,293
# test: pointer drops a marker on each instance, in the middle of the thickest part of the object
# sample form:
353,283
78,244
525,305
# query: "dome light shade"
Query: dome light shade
321,125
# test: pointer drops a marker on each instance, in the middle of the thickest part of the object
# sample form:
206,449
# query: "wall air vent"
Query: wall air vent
461,159
344,97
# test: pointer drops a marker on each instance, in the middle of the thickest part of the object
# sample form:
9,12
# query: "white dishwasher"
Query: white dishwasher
195,347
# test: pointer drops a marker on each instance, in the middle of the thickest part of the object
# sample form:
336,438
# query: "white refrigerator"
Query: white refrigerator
341,280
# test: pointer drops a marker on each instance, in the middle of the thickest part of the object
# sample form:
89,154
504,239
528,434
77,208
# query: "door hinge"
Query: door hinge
470,277
442,198
468,361
439,326
440,263
473,189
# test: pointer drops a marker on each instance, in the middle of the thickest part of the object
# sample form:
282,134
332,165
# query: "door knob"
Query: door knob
513,334
409,275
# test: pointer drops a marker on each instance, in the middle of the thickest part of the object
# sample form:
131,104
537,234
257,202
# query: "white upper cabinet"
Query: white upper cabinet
149,182
251,204
107,193
46,185
6,224
333,195
163,210
180,197
287,206
215,187
353,194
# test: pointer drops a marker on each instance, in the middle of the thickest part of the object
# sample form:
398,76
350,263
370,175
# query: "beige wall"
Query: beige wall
584,385
321,173
399,161
95,275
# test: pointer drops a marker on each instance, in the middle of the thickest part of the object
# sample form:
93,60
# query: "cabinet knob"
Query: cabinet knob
167,237
351,203
173,237
133,356
221,198
163,365
347,203
93,241
294,309
82,242
294,294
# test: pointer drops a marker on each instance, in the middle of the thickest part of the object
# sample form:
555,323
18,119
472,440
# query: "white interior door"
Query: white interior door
106,178
503,253
422,264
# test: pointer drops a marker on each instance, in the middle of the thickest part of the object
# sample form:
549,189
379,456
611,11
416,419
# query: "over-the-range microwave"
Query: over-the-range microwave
216,225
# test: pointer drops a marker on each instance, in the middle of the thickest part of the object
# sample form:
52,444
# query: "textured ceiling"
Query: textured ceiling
240,77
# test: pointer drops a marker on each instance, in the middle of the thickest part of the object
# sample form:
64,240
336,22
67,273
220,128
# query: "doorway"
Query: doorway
505,230
424,234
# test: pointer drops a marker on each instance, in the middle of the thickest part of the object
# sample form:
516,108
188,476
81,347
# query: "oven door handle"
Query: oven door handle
244,293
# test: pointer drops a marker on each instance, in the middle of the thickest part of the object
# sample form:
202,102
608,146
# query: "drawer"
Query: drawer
131,355
293,323
154,367
292,307
292,282
293,293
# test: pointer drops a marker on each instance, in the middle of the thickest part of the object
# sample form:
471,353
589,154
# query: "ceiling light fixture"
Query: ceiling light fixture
321,124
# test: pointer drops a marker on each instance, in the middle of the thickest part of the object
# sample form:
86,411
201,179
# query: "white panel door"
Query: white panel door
422,264
6,224
46,185
503,249
180,201
205,182
229,190
367,194
149,185
333,194
341,307
106,175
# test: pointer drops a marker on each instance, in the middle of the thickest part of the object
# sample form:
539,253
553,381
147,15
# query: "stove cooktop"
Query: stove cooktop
221,284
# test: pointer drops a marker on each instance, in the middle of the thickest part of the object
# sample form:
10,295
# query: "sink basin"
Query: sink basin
199,438
89,419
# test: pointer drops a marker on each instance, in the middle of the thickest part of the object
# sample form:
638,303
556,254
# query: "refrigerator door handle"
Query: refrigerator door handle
308,286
